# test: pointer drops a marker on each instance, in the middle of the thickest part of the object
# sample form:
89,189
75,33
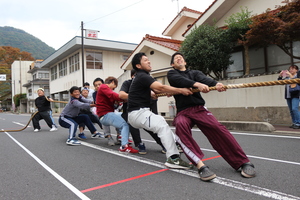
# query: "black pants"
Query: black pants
46,115
93,118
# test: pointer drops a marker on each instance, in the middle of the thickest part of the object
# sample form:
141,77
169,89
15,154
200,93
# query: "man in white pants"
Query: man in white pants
140,115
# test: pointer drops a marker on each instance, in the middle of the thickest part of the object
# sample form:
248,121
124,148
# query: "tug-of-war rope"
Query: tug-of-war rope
231,86
245,85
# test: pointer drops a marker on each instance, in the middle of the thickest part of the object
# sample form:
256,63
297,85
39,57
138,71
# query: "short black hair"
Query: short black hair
132,72
137,60
294,66
98,79
173,56
86,84
72,89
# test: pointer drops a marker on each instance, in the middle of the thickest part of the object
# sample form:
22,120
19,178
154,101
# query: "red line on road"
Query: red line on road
211,158
133,178
122,181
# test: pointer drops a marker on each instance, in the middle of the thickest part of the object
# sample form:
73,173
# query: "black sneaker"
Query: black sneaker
142,149
206,174
296,126
247,170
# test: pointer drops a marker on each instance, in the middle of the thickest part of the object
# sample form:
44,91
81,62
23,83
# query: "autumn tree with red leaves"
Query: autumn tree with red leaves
279,27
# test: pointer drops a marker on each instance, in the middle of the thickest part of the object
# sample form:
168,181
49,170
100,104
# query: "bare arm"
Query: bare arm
123,95
157,87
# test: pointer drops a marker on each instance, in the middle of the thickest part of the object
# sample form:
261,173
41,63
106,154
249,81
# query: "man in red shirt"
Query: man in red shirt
105,100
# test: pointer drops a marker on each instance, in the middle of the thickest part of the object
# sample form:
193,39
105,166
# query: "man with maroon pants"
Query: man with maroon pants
191,111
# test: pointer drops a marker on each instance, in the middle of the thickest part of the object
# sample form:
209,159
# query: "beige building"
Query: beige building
102,58
19,76
265,104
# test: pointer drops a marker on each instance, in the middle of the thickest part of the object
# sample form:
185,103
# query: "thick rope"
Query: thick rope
17,130
245,85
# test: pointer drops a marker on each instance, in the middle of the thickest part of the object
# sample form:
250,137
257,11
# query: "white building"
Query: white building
102,58
19,76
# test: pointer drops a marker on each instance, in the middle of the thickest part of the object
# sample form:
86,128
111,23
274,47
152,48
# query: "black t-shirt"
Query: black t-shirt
42,104
125,88
139,95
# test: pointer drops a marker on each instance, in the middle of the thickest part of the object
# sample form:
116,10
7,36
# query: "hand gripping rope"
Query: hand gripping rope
244,85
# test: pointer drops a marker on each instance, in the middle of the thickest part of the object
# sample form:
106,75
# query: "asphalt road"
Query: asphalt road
41,166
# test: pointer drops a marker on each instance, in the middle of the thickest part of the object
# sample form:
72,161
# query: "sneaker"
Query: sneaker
111,141
81,136
179,148
118,139
142,149
36,130
106,135
73,141
97,135
127,149
177,163
53,128
164,150
247,170
296,126
206,174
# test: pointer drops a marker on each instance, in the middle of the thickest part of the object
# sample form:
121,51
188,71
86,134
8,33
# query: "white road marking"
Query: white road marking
219,180
56,175
21,124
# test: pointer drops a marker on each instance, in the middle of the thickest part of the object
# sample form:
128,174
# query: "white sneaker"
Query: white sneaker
53,128
36,130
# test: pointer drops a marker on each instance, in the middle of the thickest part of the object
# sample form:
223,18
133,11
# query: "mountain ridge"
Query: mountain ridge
10,36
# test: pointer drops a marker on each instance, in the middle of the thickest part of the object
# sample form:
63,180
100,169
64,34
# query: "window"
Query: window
74,63
29,92
236,69
62,66
43,75
54,72
93,60
125,57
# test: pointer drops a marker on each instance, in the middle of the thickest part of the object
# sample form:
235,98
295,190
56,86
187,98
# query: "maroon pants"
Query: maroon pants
217,134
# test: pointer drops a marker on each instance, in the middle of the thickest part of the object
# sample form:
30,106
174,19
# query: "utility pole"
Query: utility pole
82,53
20,76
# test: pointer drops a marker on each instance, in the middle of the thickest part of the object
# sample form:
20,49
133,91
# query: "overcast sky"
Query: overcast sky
56,22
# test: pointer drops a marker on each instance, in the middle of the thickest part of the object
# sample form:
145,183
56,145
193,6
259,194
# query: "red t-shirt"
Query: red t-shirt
105,100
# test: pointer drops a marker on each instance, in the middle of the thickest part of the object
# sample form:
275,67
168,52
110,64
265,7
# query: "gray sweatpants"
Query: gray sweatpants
144,118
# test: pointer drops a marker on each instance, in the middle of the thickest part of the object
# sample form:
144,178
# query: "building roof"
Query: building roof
165,42
200,17
76,44
178,17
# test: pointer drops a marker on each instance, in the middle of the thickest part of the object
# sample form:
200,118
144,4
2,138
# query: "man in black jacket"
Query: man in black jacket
45,112
191,111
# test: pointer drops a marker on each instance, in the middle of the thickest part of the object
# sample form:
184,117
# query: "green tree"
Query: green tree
207,48
238,25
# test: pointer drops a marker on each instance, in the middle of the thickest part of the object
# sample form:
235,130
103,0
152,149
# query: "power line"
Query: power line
115,11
